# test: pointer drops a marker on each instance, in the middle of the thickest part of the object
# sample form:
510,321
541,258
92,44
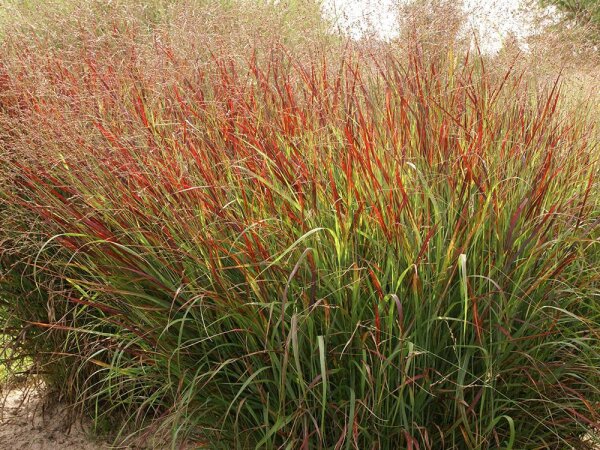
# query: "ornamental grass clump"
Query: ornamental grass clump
363,249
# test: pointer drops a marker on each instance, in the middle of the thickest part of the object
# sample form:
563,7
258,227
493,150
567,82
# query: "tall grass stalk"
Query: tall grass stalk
358,250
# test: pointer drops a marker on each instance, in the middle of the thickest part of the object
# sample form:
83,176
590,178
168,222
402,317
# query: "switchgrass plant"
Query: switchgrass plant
347,250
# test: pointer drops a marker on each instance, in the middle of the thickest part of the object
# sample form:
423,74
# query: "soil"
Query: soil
29,422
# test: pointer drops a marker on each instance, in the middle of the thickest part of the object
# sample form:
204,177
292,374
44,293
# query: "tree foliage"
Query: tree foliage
582,13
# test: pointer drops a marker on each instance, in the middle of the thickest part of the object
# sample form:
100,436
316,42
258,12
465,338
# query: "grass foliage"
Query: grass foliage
364,248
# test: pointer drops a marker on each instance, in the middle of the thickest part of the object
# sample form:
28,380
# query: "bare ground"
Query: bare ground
29,422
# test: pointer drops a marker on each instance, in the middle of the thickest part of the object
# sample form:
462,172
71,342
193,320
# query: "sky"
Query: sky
494,19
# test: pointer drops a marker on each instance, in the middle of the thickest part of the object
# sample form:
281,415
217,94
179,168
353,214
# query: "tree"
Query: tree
582,13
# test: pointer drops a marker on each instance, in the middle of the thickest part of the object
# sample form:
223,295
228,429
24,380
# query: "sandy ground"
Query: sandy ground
27,422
